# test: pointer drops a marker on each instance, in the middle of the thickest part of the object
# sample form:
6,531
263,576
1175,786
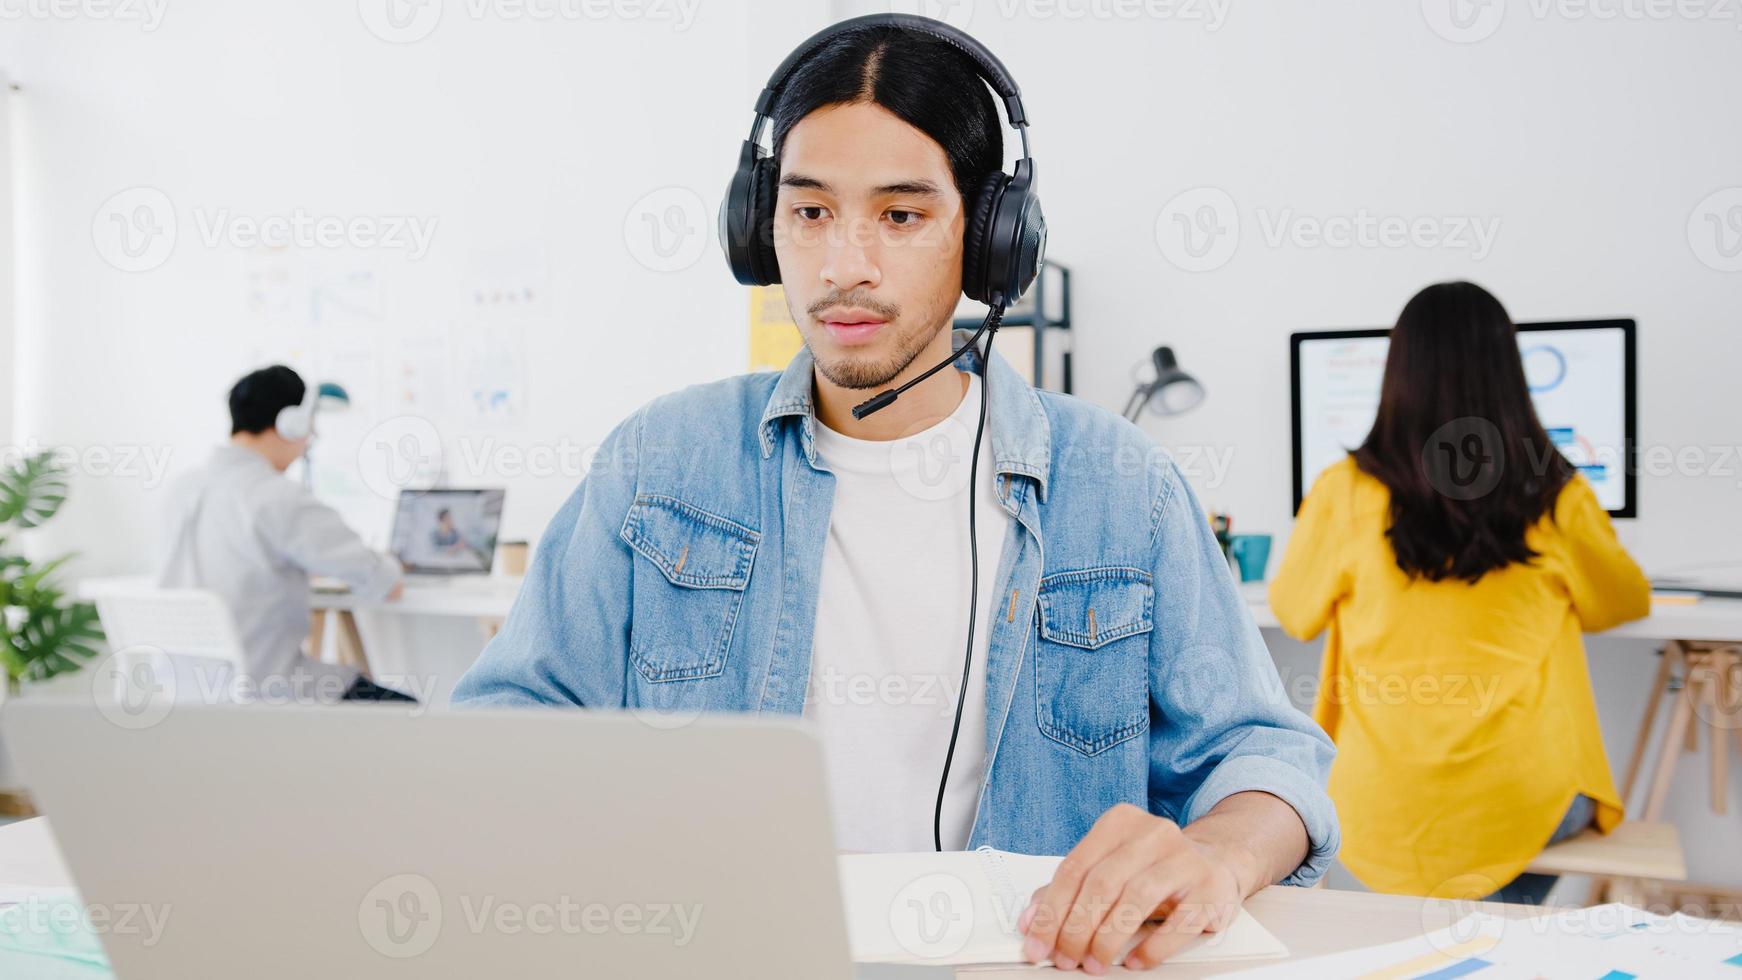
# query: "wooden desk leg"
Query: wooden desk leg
1715,700
317,633
16,803
1732,681
351,642
1601,887
1629,891
1680,720
1659,688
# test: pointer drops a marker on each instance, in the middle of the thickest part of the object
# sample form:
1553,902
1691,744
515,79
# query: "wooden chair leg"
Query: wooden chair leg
1680,720
351,643
1659,688
317,633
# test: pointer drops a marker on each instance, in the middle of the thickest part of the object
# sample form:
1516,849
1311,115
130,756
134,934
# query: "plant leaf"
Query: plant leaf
32,490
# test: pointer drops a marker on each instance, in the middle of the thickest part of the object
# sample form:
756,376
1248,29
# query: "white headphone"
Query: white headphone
297,421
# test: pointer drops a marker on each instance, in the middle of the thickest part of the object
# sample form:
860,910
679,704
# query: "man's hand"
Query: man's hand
1131,868
398,592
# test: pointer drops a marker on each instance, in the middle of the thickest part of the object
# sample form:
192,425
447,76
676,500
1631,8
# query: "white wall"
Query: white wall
1589,142
8,266
524,148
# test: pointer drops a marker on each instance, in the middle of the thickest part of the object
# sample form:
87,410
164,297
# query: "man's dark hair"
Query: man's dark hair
256,400
927,83
1457,439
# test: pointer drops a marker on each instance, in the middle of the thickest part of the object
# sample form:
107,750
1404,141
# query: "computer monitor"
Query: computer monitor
447,532
1581,378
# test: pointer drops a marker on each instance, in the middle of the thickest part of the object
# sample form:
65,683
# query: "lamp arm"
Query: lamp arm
1134,407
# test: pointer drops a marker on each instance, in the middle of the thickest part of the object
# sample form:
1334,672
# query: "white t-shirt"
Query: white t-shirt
892,623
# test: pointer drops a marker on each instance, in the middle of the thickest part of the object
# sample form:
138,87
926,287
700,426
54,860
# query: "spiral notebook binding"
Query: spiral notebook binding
998,873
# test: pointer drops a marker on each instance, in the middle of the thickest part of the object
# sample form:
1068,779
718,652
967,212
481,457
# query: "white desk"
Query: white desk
1310,922
485,599
478,597
1706,620
490,598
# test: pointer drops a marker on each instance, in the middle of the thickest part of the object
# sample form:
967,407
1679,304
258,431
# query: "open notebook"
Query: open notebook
961,907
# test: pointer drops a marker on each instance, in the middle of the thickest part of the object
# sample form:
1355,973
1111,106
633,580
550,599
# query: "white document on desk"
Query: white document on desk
1600,941
961,908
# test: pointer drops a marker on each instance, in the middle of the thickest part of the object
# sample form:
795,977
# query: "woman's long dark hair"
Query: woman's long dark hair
1457,439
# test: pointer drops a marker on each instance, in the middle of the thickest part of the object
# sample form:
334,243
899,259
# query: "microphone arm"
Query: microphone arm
884,399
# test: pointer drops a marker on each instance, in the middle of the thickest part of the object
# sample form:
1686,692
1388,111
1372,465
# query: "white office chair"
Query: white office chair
176,644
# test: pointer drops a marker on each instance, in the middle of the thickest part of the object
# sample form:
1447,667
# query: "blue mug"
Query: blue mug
1252,553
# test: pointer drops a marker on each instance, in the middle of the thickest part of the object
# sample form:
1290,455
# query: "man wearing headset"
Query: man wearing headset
239,529
794,543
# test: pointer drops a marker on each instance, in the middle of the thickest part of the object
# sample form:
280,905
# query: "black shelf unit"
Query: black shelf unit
1052,285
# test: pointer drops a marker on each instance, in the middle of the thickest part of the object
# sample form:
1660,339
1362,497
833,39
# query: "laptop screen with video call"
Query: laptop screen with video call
447,532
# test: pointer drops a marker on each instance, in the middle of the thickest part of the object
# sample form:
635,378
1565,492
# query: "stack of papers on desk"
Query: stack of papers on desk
961,908
1605,942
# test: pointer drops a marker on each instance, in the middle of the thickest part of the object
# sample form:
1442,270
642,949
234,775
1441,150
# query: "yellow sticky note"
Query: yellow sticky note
774,338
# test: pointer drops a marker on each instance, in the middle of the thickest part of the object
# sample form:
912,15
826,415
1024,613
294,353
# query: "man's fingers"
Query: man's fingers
1184,923
1144,894
1096,899
1100,897
1061,894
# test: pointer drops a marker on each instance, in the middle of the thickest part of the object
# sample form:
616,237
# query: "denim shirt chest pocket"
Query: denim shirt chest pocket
683,625
1091,664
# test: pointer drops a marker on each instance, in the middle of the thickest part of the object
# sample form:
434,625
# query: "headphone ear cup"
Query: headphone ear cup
290,422
763,191
976,244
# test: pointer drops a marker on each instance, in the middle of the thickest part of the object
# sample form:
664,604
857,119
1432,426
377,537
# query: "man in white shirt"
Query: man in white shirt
240,529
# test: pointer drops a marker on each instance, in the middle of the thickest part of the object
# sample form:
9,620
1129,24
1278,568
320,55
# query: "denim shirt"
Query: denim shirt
1123,665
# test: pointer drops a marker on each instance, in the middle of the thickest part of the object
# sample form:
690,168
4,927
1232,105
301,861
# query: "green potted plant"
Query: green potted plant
42,633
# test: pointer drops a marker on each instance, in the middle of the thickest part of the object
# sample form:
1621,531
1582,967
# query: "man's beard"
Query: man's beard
856,373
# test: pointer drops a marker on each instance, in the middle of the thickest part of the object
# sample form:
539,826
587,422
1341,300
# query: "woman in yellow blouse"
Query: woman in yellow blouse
1455,558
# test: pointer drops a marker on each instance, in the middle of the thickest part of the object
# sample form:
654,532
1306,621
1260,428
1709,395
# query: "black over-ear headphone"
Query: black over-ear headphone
1005,237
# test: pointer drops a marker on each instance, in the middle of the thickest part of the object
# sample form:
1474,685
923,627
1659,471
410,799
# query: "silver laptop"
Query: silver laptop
280,843
438,534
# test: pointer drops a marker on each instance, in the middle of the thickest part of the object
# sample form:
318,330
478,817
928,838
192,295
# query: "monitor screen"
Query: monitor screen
1580,373
447,532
